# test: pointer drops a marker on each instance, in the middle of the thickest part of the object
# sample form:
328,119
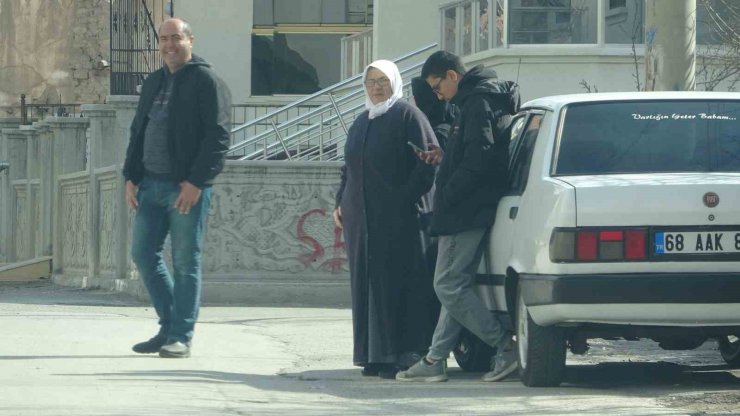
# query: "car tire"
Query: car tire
472,354
541,350
729,348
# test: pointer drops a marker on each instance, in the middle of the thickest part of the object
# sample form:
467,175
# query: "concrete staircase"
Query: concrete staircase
29,270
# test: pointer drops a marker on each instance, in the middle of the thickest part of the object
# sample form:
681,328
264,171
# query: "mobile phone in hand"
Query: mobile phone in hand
415,147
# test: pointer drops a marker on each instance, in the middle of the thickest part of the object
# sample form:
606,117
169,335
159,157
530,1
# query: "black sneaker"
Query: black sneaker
151,346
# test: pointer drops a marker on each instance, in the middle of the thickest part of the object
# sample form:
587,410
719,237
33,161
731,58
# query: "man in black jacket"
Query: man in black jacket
179,138
470,181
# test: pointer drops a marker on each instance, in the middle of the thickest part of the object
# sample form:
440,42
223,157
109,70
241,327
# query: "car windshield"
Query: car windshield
650,136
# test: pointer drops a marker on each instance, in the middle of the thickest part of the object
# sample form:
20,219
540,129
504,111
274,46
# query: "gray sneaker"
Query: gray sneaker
504,363
421,371
175,349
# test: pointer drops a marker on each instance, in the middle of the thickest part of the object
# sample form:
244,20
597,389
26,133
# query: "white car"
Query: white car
622,220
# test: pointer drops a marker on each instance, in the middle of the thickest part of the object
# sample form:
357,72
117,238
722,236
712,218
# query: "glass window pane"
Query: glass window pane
499,28
552,21
334,11
483,20
448,30
360,11
295,63
297,11
263,13
625,22
640,137
467,35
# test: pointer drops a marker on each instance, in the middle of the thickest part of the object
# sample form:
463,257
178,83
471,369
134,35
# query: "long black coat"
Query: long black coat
381,181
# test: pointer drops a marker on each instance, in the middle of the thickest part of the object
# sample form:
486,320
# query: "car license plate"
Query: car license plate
696,242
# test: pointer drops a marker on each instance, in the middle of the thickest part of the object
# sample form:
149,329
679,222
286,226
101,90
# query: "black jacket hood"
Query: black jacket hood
479,80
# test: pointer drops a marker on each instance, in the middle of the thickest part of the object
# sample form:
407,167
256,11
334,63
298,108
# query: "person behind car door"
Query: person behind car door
470,181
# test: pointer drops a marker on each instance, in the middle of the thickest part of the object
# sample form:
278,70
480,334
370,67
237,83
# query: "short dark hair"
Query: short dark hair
440,62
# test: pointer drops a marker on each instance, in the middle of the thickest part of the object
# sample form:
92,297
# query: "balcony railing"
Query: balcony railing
357,53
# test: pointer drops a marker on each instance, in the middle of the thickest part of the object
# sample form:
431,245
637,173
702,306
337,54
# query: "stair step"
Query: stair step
28,270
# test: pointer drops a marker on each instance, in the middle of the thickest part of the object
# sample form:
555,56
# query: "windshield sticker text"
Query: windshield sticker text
677,116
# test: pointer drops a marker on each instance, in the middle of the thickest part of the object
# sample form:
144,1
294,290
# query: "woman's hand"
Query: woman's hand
337,214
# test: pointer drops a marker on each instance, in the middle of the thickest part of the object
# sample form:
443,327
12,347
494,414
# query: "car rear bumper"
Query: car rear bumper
687,299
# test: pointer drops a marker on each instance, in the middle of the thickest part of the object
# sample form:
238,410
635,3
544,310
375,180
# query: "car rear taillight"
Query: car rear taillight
597,244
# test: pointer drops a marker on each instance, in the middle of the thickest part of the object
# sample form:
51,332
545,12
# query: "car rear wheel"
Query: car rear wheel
472,354
541,350
729,347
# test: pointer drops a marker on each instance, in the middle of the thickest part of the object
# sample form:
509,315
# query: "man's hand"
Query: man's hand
131,191
433,156
189,196
338,217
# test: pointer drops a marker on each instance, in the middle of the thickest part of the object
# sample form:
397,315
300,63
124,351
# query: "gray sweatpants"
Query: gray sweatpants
454,280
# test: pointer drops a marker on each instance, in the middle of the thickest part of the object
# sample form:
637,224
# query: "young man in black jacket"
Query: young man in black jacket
179,138
470,181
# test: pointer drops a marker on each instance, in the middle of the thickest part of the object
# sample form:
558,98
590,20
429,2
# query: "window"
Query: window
297,44
650,136
522,158
449,29
625,22
294,63
281,12
552,21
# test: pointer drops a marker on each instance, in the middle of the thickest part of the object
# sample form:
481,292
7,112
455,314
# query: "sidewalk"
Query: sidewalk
67,352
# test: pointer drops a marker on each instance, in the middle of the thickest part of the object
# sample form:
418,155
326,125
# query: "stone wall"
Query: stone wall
52,50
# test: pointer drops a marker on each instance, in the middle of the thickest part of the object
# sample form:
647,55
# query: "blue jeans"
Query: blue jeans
175,298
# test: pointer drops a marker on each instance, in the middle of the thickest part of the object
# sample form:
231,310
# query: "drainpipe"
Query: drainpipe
670,45
4,166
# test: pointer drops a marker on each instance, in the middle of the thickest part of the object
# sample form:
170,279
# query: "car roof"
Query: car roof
556,102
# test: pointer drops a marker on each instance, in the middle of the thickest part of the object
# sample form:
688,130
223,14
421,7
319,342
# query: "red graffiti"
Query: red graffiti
333,264
318,250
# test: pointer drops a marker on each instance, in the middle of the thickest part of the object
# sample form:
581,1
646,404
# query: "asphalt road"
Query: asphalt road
67,352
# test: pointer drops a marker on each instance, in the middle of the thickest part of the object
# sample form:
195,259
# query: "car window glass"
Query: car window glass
523,158
650,136
516,128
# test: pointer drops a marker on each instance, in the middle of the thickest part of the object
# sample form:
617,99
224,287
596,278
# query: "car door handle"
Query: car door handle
513,211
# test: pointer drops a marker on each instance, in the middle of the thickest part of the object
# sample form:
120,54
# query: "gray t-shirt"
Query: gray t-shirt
156,152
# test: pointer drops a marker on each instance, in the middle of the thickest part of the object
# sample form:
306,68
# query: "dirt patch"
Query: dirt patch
705,403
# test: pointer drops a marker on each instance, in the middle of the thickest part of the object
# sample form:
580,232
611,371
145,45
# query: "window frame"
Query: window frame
517,184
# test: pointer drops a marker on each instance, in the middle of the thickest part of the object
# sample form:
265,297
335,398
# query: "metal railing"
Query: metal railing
357,53
133,41
318,134
29,113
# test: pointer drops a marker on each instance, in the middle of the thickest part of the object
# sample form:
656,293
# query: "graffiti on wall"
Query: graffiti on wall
335,258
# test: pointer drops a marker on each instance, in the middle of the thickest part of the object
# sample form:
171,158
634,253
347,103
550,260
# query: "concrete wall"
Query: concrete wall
270,237
222,32
50,48
543,71
402,26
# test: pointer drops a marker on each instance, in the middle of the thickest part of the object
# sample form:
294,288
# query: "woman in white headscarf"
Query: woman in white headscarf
382,180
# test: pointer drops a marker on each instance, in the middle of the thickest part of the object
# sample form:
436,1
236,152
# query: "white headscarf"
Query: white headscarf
391,71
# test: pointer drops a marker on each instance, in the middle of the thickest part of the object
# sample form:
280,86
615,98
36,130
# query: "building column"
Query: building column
125,108
670,45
